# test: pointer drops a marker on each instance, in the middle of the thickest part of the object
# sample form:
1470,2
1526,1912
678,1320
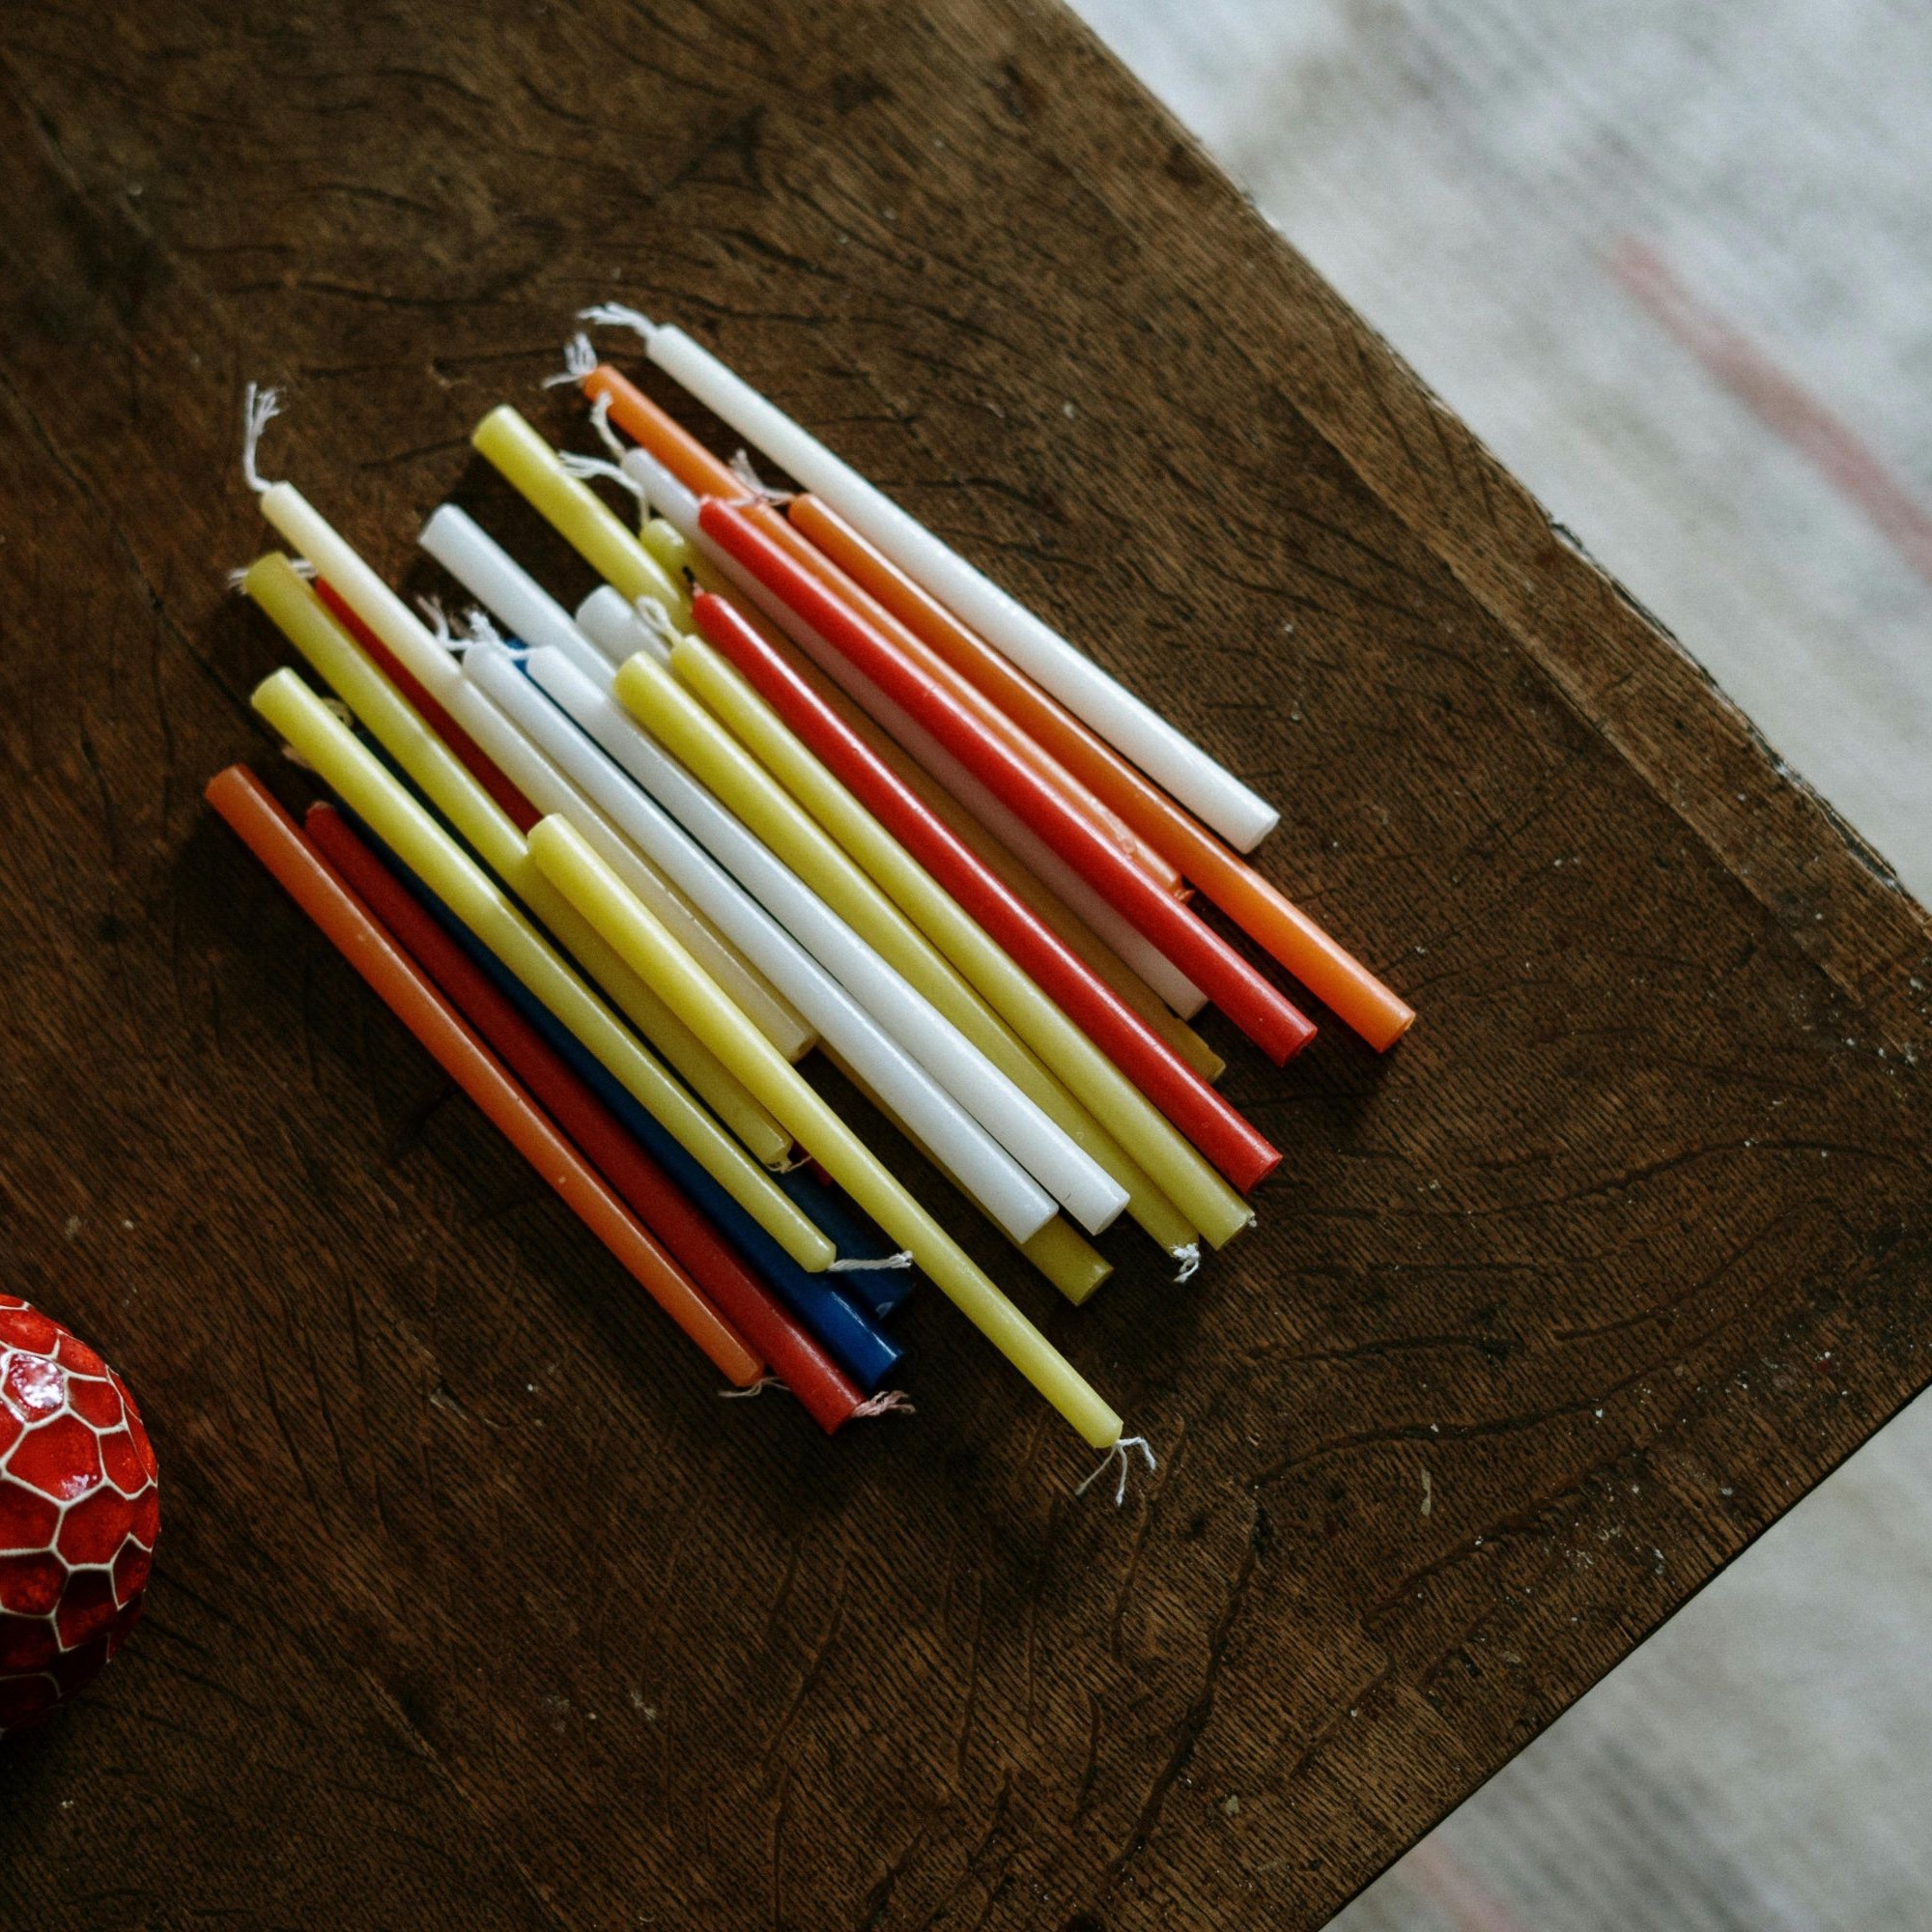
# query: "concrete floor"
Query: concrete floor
1674,264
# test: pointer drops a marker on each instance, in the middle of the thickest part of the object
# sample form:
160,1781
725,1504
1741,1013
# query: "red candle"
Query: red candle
1261,1009
472,757
275,838
1194,1107
653,1196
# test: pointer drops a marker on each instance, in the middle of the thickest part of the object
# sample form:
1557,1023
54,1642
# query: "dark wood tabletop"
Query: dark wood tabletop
476,1606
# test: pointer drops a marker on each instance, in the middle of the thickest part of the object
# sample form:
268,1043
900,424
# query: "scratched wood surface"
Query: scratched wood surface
476,1607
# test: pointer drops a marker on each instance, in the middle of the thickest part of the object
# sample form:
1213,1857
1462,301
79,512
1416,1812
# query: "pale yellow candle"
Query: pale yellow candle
359,779
693,735
530,465
305,620
1018,878
599,895
1060,1251
1165,1157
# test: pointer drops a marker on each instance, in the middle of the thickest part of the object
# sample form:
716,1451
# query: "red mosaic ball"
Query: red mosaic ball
79,1510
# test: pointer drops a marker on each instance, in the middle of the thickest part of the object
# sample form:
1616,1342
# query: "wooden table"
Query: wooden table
476,1607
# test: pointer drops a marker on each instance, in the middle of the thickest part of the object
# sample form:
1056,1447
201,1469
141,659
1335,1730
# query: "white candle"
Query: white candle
1037,1143
679,508
606,618
1134,728
984,1169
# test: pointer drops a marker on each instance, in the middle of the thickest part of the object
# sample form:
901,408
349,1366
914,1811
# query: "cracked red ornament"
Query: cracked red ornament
79,1510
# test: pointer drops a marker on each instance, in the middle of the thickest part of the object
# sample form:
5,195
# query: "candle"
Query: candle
590,885
357,778
748,897
1117,1089
1007,1089
810,1375
1069,1066
531,466
1145,959
1133,727
297,610
274,839
657,431
616,629
1266,915
819,1301
1264,1014
529,610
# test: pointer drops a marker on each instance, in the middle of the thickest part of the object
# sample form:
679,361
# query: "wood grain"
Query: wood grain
476,1606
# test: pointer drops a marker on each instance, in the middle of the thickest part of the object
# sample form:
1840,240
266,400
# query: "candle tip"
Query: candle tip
259,407
615,315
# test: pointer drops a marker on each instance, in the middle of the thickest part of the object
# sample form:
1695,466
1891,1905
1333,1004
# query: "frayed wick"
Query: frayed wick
756,486
1189,1258
901,1260
600,422
665,635
258,408
615,315
584,467
888,1401
1117,1457
759,1387
437,619
580,359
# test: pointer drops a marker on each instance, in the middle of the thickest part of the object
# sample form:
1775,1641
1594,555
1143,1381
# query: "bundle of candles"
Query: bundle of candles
794,778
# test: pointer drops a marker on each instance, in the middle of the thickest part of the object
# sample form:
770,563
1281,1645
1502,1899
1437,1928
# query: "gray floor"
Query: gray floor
1674,263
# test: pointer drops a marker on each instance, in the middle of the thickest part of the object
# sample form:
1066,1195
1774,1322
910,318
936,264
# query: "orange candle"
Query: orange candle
687,459
274,839
1270,920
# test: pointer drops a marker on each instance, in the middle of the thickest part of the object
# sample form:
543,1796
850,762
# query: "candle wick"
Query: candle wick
657,621
259,407
615,315
759,1387
1117,1454
761,491
600,422
901,1260
1189,1258
888,1401
439,620
579,360
584,467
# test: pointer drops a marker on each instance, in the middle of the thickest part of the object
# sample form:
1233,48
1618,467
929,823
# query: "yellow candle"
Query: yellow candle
358,778
599,895
675,717
301,617
1166,1159
572,509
